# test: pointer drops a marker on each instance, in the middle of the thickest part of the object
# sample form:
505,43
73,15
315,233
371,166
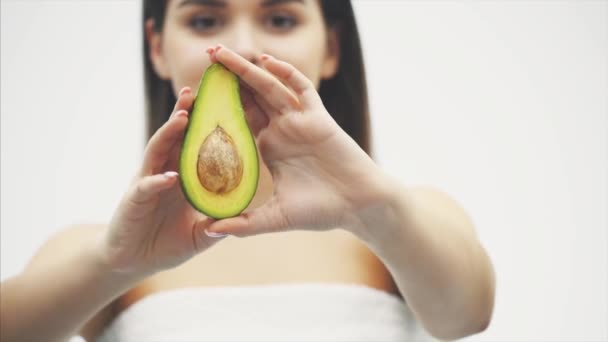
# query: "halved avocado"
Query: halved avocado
218,163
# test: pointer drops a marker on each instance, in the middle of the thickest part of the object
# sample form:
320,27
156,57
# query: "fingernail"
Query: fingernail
181,113
209,50
170,174
218,47
214,235
184,90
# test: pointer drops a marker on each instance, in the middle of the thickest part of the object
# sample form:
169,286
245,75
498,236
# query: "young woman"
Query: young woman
324,216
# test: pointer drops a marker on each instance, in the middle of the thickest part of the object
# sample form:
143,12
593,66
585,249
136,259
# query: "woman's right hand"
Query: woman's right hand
154,227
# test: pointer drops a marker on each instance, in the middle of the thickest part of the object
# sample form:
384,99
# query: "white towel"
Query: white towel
283,312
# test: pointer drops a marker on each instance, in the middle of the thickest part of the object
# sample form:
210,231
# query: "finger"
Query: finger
256,117
265,139
173,159
201,237
210,50
184,100
157,151
292,77
149,186
163,140
264,105
275,92
265,219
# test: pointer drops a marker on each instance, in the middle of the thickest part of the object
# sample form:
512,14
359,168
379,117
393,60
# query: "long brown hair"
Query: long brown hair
344,95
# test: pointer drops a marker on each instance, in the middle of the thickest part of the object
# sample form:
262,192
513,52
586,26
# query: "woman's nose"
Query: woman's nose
244,41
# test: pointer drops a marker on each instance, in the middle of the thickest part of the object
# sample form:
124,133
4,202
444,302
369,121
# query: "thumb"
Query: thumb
266,219
202,238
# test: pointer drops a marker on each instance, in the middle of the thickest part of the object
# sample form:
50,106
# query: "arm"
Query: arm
65,285
323,180
60,291
429,245
153,228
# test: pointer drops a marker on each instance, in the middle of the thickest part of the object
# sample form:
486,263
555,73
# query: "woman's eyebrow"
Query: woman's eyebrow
268,3
212,3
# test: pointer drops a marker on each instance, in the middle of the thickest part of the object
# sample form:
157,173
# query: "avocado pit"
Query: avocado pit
219,165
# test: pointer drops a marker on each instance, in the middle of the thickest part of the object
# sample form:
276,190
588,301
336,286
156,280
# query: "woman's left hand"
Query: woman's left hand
322,179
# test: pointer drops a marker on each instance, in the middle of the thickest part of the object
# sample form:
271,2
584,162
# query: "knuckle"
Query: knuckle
140,191
290,73
140,186
269,87
139,195
308,83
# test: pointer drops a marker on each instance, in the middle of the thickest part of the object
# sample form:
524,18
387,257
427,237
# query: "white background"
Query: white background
501,104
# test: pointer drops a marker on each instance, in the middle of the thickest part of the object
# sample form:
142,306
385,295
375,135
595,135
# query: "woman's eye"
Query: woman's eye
204,23
281,22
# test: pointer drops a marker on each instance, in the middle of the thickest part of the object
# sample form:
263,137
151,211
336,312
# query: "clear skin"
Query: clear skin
252,27
423,237
293,31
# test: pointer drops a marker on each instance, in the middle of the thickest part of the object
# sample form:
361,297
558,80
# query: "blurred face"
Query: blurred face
292,30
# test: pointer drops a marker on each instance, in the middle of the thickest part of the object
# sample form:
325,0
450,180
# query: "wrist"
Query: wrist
376,216
103,262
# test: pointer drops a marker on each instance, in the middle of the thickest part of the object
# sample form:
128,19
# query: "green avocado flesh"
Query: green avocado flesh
218,163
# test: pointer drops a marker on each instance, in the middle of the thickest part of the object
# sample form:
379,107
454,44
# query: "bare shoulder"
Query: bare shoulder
54,249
